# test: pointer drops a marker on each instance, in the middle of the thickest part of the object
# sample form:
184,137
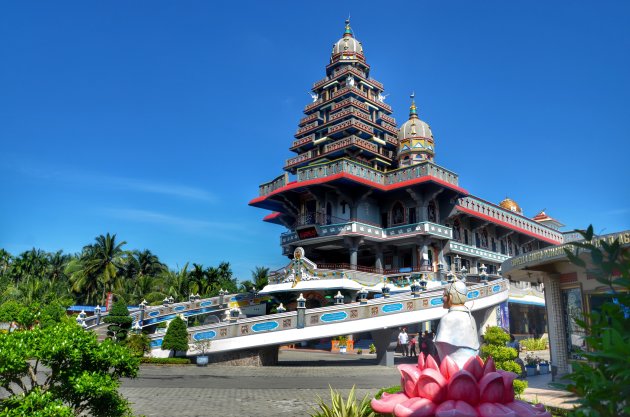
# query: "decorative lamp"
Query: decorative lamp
363,295
165,302
385,290
450,277
97,310
171,300
82,315
280,308
338,298
301,301
464,273
458,262
234,313
415,288
136,327
484,275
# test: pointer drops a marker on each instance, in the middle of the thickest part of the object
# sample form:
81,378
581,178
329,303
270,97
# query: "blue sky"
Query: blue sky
158,120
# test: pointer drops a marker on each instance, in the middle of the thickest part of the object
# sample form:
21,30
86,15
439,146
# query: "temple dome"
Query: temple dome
415,139
511,205
347,45
414,127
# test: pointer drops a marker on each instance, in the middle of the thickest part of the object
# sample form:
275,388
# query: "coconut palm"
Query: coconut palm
98,268
260,276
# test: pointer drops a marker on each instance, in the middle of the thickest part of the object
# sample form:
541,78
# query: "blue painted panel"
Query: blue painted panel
206,303
436,301
338,316
392,308
473,294
154,313
262,327
210,334
156,343
404,270
179,308
496,288
159,319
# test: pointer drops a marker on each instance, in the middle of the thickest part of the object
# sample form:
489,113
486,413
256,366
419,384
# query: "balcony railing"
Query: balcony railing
490,210
269,187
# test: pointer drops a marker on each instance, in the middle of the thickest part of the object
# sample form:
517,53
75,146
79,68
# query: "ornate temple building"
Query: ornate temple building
362,194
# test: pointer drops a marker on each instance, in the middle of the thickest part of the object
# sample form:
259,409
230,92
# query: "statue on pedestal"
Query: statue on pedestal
457,335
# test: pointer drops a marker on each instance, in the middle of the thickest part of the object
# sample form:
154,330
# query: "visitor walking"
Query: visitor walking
403,341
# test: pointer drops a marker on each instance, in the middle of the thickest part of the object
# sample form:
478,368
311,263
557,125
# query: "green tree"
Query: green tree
495,346
97,270
176,337
81,375
603,382
119,321
260,276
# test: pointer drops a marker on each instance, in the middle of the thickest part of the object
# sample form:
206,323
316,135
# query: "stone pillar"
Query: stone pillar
385,342
354,254
555,321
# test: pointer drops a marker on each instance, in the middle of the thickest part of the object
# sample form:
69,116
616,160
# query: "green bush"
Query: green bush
139,344
495,346
390,390
84,376
351,407
534,344
166,361
176,337
372,348
120,321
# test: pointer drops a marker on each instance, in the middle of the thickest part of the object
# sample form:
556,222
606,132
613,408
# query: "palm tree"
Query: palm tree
98,267
260,276
148,263
177,283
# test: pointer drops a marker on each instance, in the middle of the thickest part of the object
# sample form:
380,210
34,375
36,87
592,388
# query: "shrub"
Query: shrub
495,346
534,344
390,390
166,361
120,321
352,407
372,348
176,337
139,344
84,376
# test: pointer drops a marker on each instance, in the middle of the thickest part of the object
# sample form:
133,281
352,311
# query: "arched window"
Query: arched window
398,213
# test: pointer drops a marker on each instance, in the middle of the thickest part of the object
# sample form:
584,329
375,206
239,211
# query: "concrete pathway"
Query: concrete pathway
290,389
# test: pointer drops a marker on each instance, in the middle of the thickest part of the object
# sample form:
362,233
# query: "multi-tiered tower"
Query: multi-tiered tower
369,197
348,116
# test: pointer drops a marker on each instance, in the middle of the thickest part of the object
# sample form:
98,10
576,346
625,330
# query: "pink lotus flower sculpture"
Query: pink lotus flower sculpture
476,390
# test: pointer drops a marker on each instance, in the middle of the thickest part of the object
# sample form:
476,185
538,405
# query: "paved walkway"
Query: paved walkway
290,389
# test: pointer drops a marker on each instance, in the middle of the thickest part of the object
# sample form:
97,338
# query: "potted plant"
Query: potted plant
359,351
372,348
543,367
531,364
343,343
202,346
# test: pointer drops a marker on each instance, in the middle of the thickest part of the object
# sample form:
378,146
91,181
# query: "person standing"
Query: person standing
412,345
403,341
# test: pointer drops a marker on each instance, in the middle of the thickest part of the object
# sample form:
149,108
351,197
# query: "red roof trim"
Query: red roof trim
508,225
341,175
272,216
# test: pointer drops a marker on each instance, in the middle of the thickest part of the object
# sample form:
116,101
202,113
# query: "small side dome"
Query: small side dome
416,142
347,47
511,205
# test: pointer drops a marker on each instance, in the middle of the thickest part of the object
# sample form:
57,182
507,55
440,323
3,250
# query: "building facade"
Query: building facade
363,194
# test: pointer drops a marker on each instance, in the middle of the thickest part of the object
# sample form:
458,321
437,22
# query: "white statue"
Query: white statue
382,97
350,81
457,332
314,96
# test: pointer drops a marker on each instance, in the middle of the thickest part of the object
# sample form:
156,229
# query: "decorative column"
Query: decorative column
555,321
379,258
97,310
301,311
354,251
